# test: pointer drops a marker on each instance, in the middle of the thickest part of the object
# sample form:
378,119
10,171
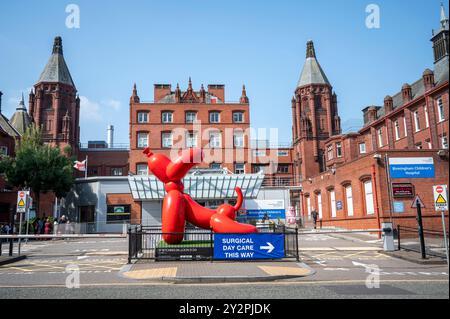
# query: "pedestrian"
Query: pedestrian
314,215
40,226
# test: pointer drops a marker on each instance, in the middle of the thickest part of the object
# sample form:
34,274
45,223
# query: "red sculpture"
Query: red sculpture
179,207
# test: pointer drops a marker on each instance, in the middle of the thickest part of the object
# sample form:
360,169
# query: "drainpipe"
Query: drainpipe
375,193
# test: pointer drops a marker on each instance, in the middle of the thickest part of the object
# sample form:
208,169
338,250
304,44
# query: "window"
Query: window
116,171
191,139
416,121
444,142
368,193
419,145
215,139
427,121
397,130
142,117
167,117
141,169
239,168
405,127
3,150
238,117
238,139
338,149
166,139
214,117
330,154
259,153
440,107
118,213
283,168
349,200
362,148
380,137
308,205
215,166
142,139
259,168
283,153
319,205
333,203
191,117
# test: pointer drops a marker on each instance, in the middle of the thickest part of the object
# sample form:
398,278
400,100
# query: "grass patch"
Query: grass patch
184,244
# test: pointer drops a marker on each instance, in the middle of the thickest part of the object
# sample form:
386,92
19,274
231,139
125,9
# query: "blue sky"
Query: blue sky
257,43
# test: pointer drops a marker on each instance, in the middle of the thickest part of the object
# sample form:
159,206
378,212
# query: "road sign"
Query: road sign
22,201
411,167
440,197
418,201
249,246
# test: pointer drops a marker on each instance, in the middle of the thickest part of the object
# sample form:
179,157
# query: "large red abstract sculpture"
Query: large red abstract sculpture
179,207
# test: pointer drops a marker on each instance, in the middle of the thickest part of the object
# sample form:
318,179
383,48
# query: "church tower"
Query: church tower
441,42
315,117
54,104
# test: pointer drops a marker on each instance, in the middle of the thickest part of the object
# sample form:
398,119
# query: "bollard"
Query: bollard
388,237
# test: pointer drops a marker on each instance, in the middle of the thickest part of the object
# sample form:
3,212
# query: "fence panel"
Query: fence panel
408,239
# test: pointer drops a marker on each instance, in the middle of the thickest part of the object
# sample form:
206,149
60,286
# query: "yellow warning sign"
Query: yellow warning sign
21,203
441,199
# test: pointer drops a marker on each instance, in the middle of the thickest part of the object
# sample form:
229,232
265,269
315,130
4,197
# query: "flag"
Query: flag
81,166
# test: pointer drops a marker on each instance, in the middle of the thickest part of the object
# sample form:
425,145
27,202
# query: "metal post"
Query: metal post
445,235
211,244
398,236
420,230
20,232
129,245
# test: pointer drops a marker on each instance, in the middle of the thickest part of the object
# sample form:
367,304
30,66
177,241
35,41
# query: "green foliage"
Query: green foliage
38,166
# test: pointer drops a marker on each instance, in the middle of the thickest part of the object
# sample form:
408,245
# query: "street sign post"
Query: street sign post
440,196
418,204
248,246
22,205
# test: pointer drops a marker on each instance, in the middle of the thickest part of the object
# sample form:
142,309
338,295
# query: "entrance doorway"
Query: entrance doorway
86,216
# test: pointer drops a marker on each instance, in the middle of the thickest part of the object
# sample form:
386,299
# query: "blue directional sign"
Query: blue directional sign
249,246
411,167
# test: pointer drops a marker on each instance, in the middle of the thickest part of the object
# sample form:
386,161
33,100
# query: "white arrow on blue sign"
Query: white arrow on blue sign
249,246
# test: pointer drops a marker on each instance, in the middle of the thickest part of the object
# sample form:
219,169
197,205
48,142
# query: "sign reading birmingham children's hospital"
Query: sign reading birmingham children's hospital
411,167
248,246
258,208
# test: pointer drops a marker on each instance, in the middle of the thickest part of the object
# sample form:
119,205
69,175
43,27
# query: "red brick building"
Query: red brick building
346,179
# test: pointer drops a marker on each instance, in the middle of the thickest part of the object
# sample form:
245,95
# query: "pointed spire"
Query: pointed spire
444,20
190,84
57,46
178,93
134,96
202,94
244,98
310,52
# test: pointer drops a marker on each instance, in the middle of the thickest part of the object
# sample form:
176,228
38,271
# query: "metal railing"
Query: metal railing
147,243
408,239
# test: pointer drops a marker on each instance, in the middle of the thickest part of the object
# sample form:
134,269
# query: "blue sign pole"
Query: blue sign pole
249,246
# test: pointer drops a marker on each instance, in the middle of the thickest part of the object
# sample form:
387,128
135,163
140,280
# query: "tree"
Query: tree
38,166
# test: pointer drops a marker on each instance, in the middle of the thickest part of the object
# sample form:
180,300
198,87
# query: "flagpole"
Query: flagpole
86,167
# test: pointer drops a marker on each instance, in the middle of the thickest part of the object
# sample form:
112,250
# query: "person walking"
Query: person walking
315,216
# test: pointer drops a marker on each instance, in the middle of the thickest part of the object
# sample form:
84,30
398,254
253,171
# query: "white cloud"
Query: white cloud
114,104
89,110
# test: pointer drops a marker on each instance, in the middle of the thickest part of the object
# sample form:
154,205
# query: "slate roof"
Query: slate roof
20,119
312,72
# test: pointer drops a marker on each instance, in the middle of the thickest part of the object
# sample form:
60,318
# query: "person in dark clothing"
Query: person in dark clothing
315,216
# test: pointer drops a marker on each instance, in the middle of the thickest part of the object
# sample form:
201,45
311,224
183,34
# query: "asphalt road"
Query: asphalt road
343,266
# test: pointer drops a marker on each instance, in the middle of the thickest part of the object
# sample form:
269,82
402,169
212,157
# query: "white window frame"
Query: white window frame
380,137
404,126
427,120
238,117
444,142
236,169
189,118
142,138
166,139
430,146
338,149
416,121
114,170
141,169
319,205
308,205
259,153
282,153
397,130
349,200
214,117
362,148
167,117
191,139
330,152
333,203
215,139
440,109
4,150
238,139
369,199
142,117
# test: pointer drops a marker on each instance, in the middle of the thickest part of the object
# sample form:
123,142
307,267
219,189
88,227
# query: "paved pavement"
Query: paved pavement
343,268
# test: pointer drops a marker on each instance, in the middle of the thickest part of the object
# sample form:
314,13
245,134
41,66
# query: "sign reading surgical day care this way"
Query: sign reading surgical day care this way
248,246
411,167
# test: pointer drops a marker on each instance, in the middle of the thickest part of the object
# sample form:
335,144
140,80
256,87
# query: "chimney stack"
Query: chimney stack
110,140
